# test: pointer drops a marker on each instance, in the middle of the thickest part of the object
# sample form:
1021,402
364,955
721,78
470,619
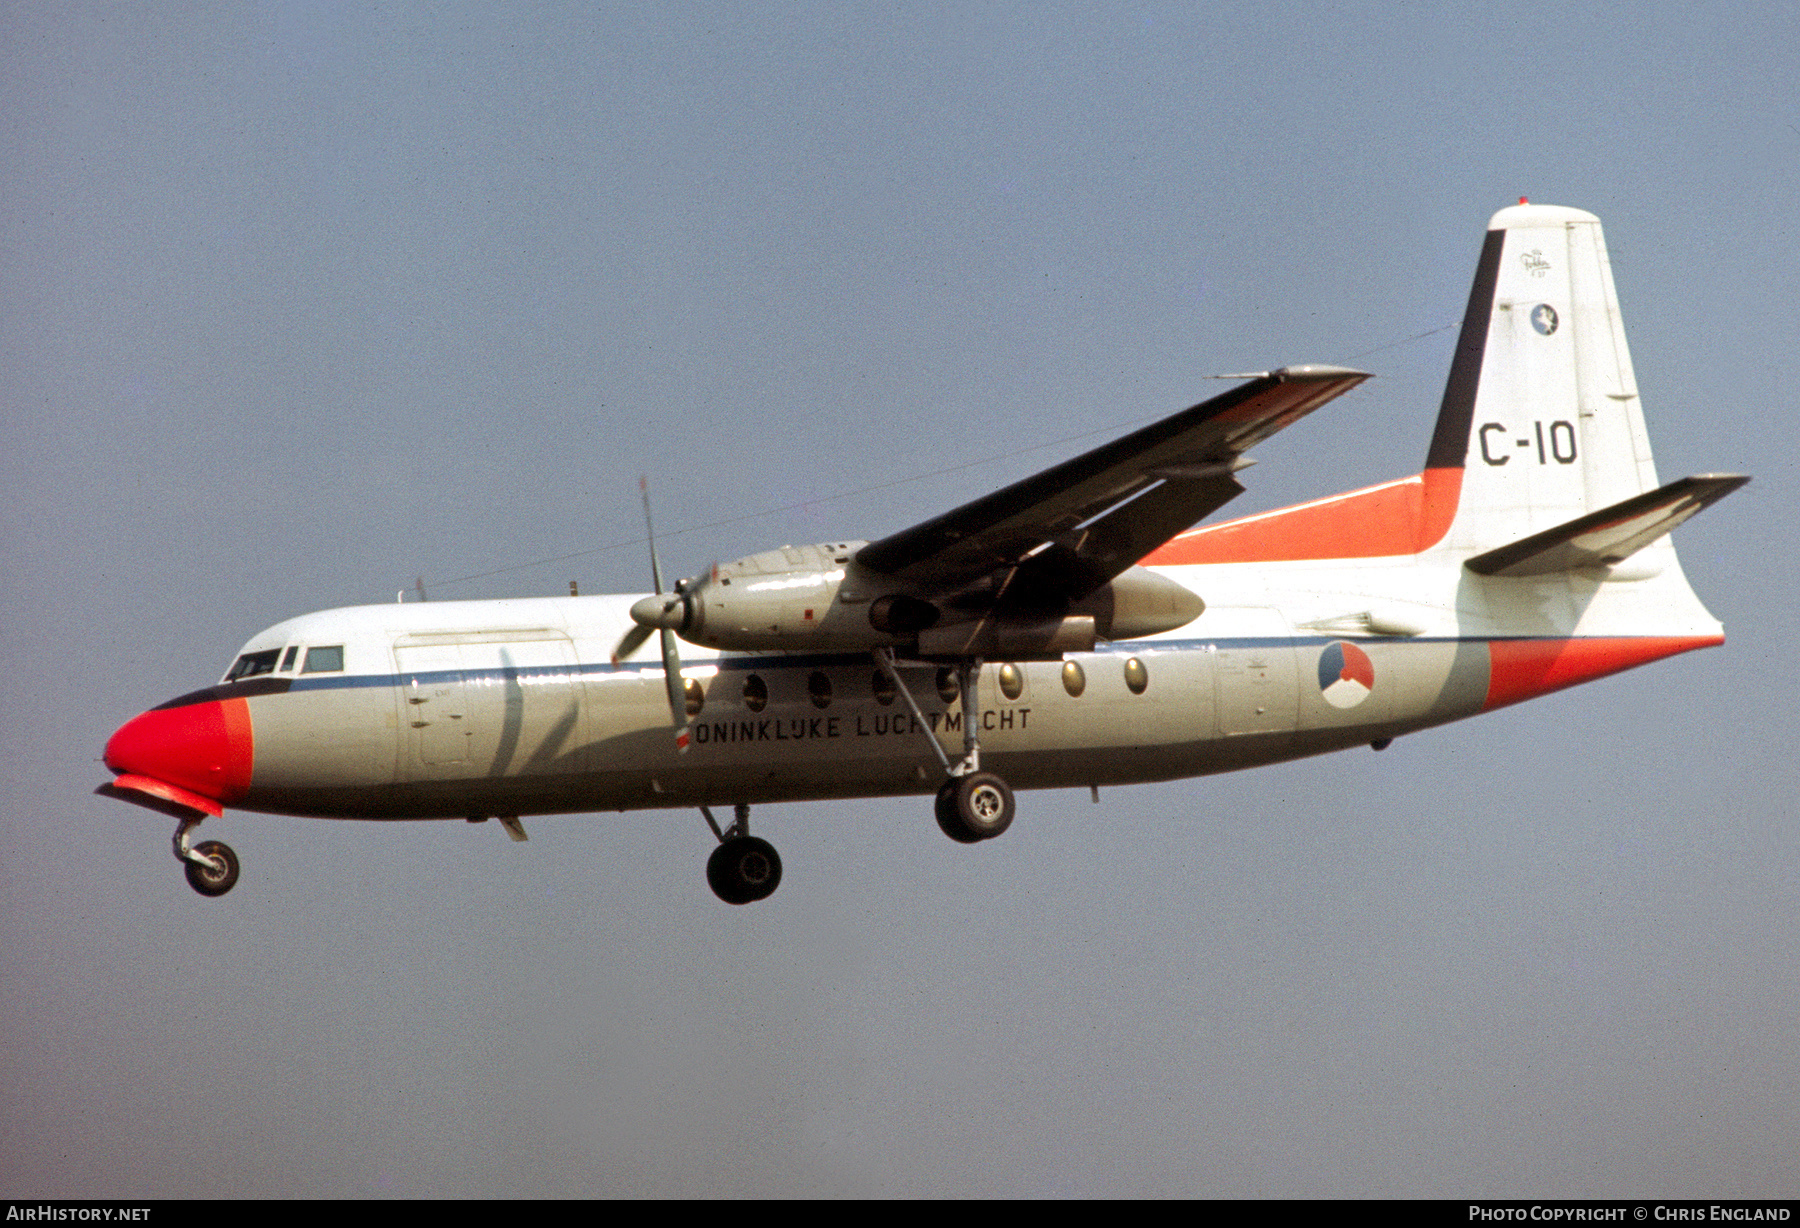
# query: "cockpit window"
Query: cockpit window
324,660
287,660
253,663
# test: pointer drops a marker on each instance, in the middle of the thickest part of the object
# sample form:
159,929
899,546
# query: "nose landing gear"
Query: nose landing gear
212,867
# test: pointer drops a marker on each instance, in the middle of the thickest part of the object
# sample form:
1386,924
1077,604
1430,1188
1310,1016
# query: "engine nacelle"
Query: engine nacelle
800,598
1137,603
818,598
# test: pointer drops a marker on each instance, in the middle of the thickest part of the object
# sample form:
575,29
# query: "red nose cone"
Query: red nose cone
204,747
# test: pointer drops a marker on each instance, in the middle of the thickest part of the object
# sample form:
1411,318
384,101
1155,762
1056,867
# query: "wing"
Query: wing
1070,529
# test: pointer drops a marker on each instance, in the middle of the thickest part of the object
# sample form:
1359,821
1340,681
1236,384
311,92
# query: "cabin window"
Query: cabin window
1012,682
1136,676
287,660
253,663
883,687
1074,680
695,696
947,686
324,660
818,689
756,693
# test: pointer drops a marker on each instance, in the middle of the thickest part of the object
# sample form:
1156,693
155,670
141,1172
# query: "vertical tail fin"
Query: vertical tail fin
1540,414
1540,435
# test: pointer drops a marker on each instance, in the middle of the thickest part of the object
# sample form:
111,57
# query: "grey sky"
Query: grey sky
303,301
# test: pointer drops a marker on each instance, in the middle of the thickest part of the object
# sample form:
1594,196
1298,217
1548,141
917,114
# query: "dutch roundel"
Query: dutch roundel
1346,675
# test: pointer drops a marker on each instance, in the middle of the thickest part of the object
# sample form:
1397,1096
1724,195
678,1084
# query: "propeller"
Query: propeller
665,613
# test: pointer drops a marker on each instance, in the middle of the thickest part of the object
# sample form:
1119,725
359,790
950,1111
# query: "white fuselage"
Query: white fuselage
455,709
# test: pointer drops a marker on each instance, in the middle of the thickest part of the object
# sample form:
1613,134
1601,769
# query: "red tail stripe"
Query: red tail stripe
1524,669
1400,517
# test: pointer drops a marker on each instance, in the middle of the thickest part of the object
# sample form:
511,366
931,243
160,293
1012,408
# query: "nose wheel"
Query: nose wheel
211,866
218,873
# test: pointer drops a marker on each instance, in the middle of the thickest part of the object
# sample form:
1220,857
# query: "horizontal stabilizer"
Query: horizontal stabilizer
1610,535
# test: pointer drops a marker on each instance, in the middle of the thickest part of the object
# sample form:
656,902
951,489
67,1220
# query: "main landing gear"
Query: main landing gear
743,869
975,807
212,868
972,805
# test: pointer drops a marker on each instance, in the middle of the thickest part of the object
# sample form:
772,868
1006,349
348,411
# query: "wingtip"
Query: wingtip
1319,371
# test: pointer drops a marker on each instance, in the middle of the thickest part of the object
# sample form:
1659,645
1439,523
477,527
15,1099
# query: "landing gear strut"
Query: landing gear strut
212,868
743,869
972,805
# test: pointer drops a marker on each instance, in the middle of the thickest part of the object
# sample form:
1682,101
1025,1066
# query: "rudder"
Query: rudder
1541,411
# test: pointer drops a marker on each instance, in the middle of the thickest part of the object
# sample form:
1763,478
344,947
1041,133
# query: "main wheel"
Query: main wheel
743,870
205,879
978,806
949,822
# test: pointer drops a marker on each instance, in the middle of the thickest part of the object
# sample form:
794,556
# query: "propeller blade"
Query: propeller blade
632,640
653,613
650,531
677,688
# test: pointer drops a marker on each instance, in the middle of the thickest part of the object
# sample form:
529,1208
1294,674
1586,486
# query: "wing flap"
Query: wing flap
1090,518
1610,535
